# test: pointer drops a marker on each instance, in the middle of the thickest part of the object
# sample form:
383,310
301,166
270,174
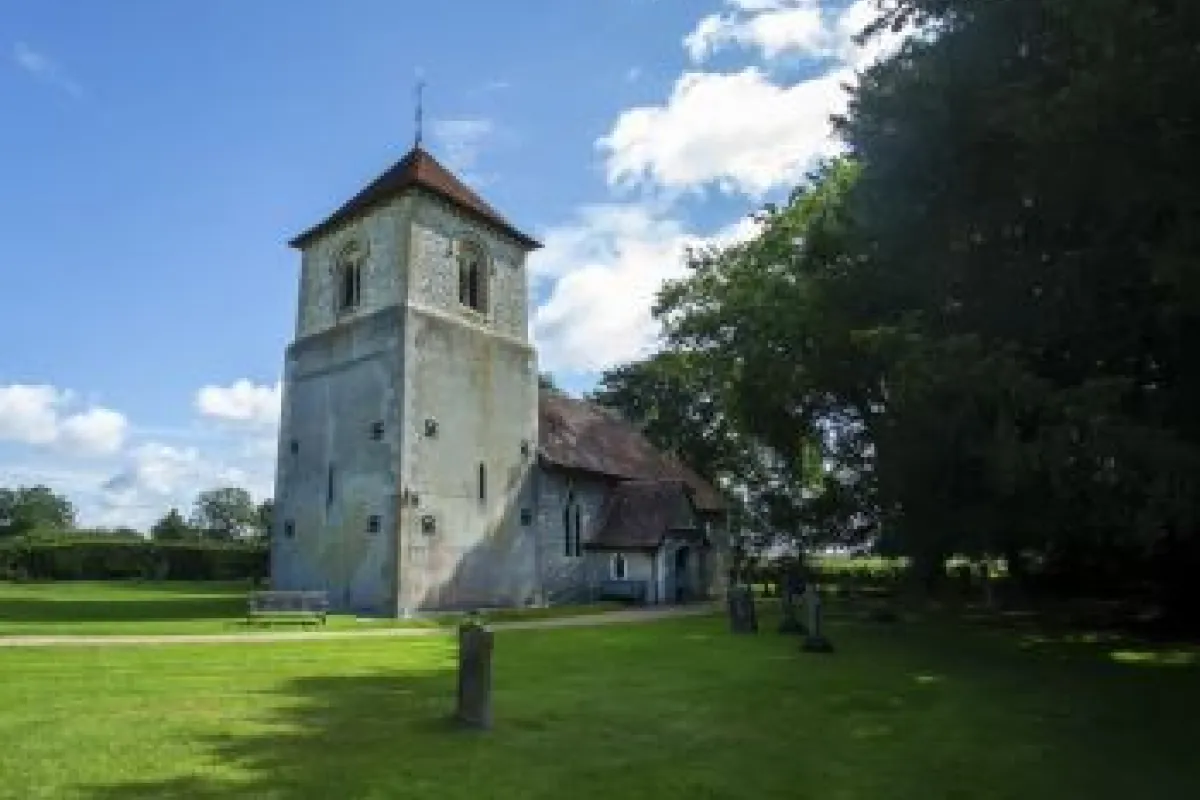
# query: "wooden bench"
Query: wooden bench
288,605
630,591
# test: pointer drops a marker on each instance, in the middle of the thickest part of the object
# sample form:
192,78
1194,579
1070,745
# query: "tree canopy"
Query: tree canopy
977,322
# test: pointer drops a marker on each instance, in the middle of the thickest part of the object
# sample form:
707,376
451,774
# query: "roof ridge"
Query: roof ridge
418,168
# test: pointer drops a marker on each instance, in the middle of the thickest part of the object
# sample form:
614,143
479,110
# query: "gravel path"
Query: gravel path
582,620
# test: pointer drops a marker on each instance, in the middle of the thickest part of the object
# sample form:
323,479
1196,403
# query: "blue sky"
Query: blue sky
156,157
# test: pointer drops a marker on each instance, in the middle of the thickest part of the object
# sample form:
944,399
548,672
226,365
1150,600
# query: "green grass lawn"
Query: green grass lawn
137,607
680,709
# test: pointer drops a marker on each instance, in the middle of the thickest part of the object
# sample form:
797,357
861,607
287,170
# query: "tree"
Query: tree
224,513
28,508
1065,288
546,382
172,527
264,516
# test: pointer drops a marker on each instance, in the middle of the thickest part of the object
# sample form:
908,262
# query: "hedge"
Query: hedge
83,557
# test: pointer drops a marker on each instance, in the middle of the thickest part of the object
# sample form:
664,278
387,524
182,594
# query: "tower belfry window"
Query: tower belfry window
472,275
349,278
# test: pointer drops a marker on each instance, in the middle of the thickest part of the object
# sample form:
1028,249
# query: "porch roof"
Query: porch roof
640,515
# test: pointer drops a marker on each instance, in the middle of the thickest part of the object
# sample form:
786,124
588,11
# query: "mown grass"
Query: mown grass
167,608
928,708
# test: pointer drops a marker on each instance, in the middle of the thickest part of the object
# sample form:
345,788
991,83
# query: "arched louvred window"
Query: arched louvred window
472,275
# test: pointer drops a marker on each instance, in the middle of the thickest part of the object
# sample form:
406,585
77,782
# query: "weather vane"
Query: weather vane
420,93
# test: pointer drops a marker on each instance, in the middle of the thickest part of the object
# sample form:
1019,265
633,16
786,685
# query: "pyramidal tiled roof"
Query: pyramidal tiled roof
417,168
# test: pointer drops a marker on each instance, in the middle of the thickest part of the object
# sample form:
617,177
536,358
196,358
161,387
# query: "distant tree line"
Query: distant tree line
222,514
223,538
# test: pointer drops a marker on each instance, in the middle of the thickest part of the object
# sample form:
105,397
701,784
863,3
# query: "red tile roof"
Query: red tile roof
417,169
576,434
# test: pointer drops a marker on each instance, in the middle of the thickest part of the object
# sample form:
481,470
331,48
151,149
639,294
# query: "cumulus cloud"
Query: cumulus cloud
41,415
774,28
159,476
605,268
43,68
242,402
743,131
739,130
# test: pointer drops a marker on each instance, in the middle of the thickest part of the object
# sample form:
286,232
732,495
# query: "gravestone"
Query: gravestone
743,617
815,641
474,675
792,589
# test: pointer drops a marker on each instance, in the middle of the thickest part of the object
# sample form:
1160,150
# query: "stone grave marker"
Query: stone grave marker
743,617
793,588
815,641
474,675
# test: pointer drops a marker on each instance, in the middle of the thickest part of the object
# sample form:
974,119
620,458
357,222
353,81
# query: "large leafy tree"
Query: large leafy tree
27,508
1028,208
172,527
225,513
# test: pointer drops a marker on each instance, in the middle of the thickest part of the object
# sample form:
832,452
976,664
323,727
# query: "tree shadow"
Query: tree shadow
33,611
684,709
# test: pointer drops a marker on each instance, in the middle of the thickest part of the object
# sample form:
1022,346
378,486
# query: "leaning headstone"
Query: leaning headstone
789,620
474,675
815,641
743,617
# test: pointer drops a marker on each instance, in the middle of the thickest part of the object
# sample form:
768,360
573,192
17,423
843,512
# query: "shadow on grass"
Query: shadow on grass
687,710
344,737
81,610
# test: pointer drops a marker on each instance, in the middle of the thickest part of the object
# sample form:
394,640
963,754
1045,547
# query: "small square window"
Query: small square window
294,446
374,523
526,516
289,529
377,431
428,524
431,427
525,448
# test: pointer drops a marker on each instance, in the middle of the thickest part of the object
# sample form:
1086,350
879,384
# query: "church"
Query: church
421,468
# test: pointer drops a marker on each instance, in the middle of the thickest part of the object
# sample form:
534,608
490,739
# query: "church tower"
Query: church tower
409,423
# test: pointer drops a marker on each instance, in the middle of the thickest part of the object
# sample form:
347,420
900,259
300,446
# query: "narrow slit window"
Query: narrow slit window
618,567
374,523
482,481
377,431
578,528
289,529
329,487
567,530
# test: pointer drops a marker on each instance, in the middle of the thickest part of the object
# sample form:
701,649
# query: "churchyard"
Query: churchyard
933,705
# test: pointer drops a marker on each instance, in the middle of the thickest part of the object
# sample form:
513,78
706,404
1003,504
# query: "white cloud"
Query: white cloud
159,476
97,431
606,267
44,68
241,402
38,415
774,28
461,141
737,130
743,131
